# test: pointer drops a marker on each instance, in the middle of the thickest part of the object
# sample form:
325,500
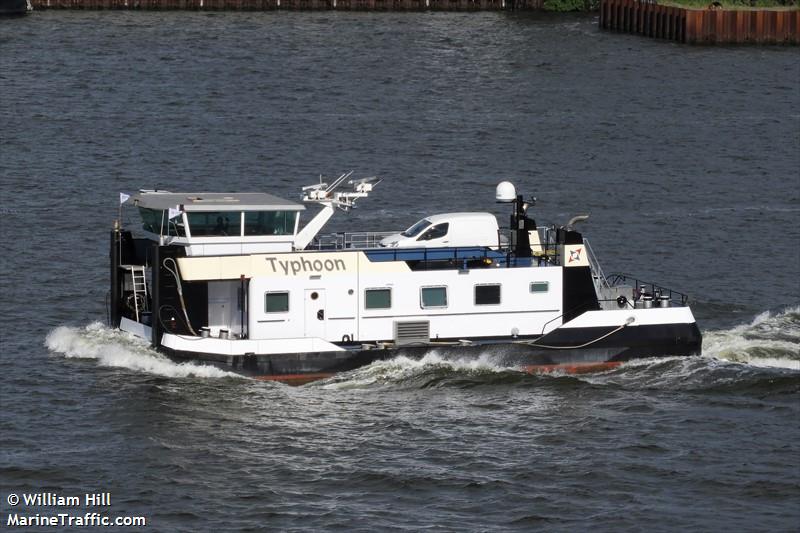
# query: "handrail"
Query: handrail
432,255
594,265
640,287
343,240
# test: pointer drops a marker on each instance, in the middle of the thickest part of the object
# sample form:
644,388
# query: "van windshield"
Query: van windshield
436,232
417,228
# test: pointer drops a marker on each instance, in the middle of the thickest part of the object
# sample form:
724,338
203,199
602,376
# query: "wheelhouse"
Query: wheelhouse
219,224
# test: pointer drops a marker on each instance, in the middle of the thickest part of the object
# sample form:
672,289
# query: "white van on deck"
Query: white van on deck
448,230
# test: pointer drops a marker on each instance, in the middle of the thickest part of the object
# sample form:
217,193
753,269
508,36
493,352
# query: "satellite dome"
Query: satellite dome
505,192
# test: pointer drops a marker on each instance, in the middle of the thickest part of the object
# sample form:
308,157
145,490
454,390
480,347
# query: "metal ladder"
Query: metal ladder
139,284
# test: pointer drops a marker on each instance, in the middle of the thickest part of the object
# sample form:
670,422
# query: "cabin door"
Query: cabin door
315,313
224,307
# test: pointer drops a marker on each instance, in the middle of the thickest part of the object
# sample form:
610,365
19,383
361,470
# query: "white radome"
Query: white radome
505,192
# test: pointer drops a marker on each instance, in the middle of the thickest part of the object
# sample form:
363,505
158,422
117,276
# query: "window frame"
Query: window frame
174,227
377,289
422,297
425,236
418,227
266,296
153,215
251,228
235,221
546,285
499,293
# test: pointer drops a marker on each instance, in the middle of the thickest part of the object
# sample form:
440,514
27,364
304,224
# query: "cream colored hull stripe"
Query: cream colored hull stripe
289,265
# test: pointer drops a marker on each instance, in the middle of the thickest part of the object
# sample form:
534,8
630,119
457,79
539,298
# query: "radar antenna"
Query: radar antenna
323,193
329,198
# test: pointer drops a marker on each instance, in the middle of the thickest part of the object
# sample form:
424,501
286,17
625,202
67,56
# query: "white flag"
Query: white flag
174,211
123,198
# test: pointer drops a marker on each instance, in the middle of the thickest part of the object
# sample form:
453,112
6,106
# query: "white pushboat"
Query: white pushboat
232,280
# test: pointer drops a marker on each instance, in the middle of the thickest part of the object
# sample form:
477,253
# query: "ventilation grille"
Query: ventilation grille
418,332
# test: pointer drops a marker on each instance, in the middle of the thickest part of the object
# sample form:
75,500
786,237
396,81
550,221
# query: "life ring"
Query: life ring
622,301
346,338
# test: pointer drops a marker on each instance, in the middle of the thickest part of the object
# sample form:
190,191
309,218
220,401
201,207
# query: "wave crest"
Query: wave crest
752,356
435,368
115,348
770,340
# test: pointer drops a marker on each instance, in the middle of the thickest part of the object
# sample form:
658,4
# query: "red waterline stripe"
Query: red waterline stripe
573,368
295,379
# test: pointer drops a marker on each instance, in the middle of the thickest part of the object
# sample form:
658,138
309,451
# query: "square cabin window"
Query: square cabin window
434,297
276,302
378,299
540,286
487,294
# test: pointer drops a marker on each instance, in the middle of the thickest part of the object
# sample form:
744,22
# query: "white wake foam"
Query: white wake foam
770,340
119,349
401,368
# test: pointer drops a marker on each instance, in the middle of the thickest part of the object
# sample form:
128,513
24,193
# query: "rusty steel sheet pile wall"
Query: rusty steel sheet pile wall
269,5
701,26
644,18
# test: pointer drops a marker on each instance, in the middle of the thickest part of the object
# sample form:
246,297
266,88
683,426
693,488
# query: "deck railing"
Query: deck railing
343,240
599,278
642,288
432,258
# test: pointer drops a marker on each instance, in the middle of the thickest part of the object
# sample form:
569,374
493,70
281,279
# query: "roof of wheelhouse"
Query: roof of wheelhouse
214,201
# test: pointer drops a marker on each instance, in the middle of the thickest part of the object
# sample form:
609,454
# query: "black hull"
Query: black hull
13,7
560,350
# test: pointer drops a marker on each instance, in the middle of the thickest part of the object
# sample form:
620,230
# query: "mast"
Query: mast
326,196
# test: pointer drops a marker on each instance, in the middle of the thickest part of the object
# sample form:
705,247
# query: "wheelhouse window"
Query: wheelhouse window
487,294
152,220
269,222
276,302
214,223
540,286
378,298
436,232
433,297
